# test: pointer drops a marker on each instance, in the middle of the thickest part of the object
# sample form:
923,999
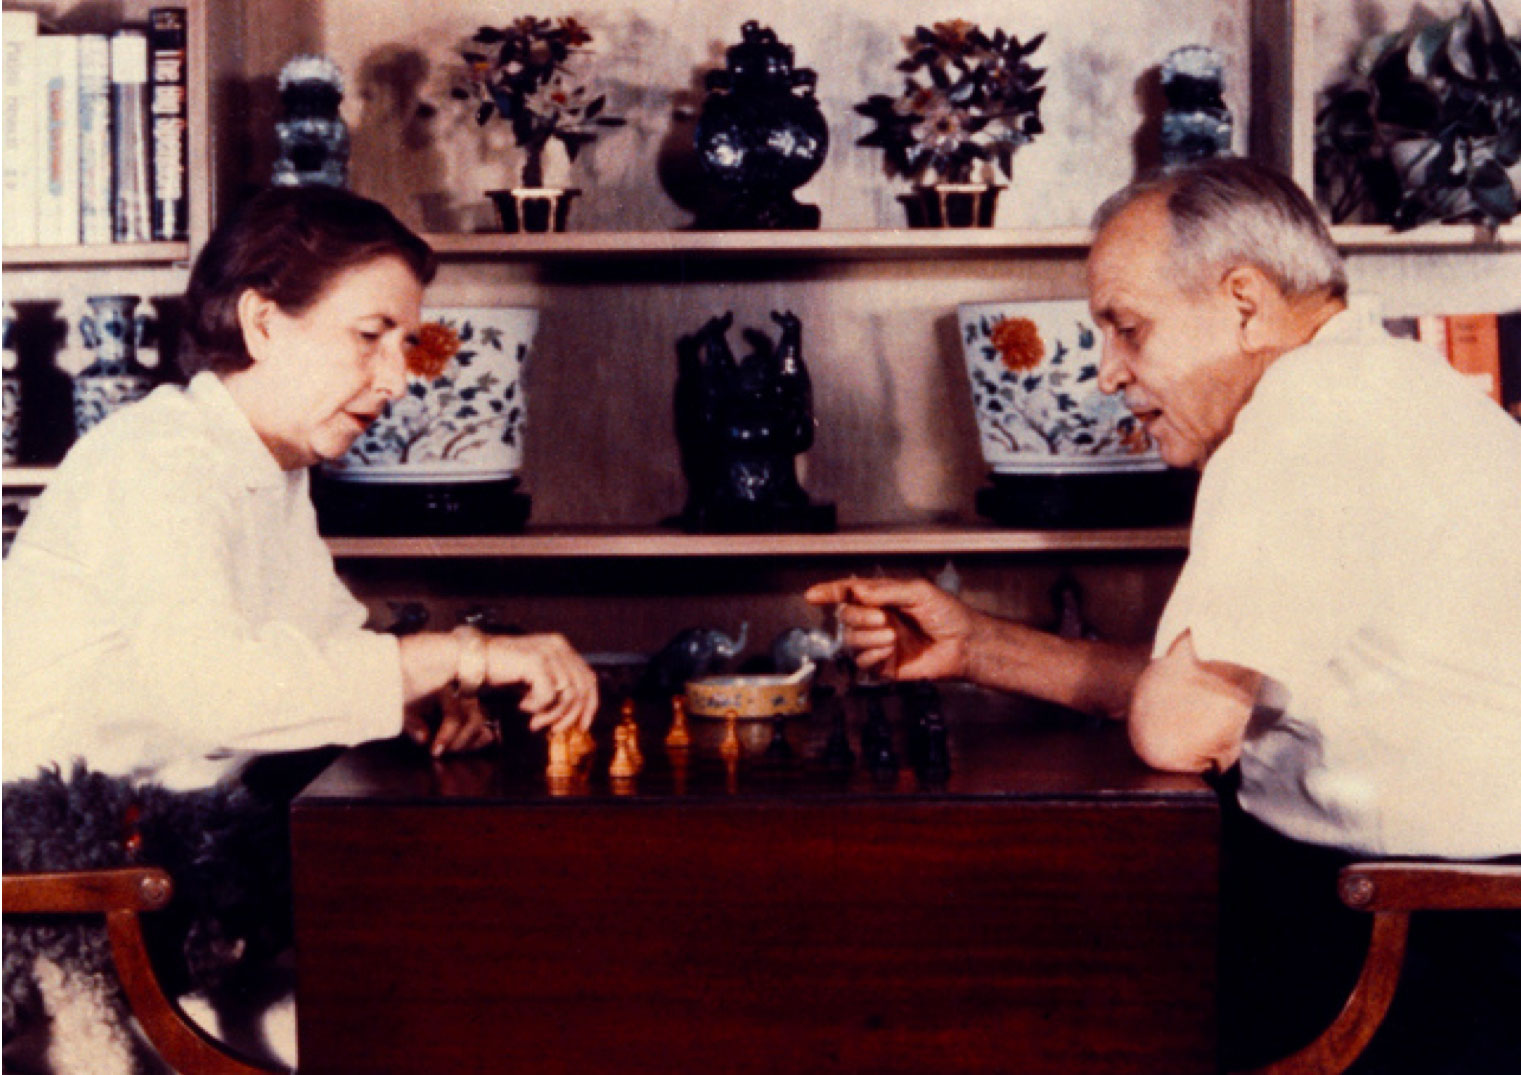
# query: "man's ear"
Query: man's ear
255,313
1251,294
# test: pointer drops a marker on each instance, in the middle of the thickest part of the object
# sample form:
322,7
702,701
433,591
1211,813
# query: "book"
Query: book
55,70
1431,329
1473,348
130,141
95,179
166,64
1509,330
18,130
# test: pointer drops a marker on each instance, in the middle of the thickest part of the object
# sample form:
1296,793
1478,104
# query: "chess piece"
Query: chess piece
680,736
581,745
877,738
560,767
838,756
622,766
935,763
779,749
730,747
627,721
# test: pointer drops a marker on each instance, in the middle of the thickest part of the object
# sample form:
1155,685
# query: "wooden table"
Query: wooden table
1050,907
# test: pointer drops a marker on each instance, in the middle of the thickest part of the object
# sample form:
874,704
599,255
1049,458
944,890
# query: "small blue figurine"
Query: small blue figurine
313,139
1196,124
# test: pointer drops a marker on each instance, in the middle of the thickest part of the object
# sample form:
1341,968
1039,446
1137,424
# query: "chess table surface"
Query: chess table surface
1001,747
1049,906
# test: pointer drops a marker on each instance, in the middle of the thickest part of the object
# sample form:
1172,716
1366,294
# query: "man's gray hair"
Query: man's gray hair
1229,211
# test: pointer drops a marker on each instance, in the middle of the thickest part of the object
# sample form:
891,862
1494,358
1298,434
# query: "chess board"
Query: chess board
1039,903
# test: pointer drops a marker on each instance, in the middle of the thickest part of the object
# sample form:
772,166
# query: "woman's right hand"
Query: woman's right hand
901,628
561,687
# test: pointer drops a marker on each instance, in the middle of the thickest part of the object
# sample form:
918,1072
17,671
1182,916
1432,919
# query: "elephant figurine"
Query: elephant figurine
796,645
693,653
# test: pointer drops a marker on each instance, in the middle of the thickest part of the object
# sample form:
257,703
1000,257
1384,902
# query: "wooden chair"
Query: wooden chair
1390,891
121,895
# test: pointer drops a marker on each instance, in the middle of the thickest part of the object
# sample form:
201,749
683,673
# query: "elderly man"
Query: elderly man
1344,643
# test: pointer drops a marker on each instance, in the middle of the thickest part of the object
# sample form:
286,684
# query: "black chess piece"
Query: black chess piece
934,763
838,757
877,738
779,749
919,697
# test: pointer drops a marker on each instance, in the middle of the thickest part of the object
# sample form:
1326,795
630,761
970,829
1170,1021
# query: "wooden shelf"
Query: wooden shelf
114,254
823,245
634,543
26,477
865,244
1456,237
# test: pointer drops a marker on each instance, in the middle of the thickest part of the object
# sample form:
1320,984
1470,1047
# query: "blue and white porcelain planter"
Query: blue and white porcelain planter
464,425
1033,368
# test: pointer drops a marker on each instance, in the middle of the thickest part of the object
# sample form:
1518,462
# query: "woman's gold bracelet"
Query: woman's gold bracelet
470,672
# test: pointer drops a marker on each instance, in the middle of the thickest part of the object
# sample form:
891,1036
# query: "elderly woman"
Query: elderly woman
171,613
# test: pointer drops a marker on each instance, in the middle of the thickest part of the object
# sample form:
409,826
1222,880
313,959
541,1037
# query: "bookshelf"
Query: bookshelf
896,447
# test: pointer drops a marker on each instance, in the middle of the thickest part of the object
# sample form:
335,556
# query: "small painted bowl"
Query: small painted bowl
750,697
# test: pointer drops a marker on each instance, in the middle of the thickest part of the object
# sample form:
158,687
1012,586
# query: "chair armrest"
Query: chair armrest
132,888
1430,886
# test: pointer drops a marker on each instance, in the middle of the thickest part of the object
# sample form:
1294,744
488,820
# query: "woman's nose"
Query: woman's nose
391,372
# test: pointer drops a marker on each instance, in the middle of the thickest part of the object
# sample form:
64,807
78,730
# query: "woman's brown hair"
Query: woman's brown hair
288,244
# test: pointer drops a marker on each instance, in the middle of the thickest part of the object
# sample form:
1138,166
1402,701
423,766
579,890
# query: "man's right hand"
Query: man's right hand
901,628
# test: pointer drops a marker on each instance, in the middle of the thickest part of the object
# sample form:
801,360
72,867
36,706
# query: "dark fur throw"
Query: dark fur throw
226,849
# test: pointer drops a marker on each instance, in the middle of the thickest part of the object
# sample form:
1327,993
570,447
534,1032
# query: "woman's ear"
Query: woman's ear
255,314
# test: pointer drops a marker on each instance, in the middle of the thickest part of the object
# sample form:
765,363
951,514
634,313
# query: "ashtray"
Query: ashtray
755,697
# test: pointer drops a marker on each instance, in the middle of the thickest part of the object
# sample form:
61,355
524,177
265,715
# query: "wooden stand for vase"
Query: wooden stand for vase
533,209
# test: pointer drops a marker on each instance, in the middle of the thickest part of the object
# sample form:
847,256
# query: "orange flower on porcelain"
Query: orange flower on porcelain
1135,440
436,344
1018,343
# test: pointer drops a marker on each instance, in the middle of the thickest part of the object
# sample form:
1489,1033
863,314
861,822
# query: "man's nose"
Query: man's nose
1112,374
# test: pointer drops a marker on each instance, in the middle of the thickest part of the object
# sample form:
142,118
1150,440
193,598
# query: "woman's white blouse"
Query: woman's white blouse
170,609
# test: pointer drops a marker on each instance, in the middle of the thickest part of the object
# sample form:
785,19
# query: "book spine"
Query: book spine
133,214
95,182
166,48
1509,326
1473,348
57,73
1431,329
19,130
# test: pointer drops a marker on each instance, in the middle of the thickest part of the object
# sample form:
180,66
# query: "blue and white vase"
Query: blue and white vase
1033,368
113,331
466,422
12,397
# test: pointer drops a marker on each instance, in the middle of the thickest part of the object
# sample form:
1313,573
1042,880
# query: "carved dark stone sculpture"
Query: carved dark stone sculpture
760,136
740,424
